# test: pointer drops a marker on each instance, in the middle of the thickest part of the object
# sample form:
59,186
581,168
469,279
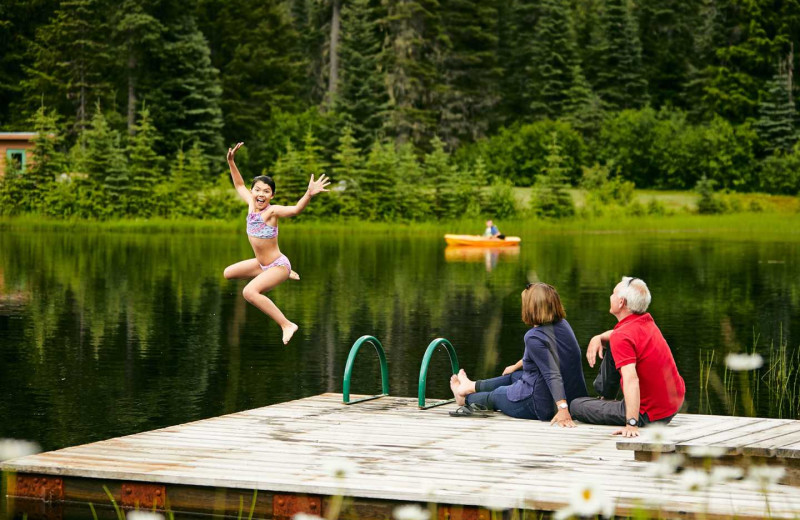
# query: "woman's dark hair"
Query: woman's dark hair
266,179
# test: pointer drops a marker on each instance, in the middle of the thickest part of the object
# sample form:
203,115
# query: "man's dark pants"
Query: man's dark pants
594,410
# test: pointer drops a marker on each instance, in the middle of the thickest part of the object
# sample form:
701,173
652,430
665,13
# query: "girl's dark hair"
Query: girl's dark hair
266,179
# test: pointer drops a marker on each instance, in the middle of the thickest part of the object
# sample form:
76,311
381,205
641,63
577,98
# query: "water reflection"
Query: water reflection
109,334
490,256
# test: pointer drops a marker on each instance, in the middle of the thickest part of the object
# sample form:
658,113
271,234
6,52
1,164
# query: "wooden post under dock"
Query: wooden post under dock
283,459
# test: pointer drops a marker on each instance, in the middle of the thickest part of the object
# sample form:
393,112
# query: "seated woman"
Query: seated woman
549,375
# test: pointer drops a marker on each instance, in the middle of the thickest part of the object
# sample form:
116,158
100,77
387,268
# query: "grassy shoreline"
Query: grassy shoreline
774,224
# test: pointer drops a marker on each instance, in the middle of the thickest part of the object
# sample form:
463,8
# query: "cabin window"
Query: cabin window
16,160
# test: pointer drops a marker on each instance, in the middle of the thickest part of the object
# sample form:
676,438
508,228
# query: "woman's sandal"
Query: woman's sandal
470,410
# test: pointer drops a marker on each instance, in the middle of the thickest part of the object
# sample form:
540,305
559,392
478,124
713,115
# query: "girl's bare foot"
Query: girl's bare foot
293,276
288,332
454,384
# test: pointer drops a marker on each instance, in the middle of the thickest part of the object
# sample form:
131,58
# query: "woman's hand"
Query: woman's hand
232,151
510,369
563,419
316,186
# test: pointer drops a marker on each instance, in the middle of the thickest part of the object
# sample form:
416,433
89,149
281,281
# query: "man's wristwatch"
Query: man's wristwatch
633,422
563,406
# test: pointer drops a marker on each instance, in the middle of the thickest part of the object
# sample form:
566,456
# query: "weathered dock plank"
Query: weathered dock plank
400,454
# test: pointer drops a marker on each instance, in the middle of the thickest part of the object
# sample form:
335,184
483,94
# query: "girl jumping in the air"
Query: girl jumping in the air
269,268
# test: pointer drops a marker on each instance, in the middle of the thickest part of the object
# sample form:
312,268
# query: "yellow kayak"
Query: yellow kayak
480,241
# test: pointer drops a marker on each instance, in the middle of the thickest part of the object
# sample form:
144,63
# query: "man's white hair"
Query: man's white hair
636,294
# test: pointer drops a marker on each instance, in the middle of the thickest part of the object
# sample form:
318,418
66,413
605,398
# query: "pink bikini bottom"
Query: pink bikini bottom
281,260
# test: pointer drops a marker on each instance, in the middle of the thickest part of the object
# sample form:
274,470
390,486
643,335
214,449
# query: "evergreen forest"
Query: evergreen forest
417,109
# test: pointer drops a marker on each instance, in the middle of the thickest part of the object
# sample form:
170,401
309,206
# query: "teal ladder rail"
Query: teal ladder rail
348,369
423,370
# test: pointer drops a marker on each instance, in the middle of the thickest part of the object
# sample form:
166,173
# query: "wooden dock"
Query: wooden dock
390,453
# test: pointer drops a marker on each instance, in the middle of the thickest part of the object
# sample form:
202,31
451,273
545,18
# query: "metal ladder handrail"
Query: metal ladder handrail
348,369
423,370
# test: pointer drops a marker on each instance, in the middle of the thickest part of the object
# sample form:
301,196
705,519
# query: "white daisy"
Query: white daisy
340,468
720,474
740,362
306,516
143,515
590,499
411,512
665,466
706,452
14,448
765,476
694,480
657,434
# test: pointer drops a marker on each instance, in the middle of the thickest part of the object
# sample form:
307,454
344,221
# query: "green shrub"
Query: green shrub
656,207
550,197
662,149
708,203
780,173
518,153
500,203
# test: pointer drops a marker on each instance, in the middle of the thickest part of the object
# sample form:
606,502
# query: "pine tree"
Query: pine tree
413,28
308,19
516,28
48,160
349,173
470,71
19,21
70,58
618,54
666,29
582,107
550,196
290,179
362,95
187,107
444,179
733,65
261,67
553,61
144,165
414,203
135,33
777,115
379,185
104,163
187,171
313,163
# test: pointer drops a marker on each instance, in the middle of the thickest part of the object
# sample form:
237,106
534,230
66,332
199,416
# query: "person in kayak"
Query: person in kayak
492,231
270,267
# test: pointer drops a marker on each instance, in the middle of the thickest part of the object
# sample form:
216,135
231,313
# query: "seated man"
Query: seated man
638,355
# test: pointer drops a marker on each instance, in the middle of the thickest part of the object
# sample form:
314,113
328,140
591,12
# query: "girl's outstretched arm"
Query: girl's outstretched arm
238,182
314,187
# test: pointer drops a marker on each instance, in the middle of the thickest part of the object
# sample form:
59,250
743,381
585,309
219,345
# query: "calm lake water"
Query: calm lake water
108,334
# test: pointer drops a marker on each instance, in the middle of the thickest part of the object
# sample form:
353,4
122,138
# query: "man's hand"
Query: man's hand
628,431
563,419
317,186
232,151
594,350
510,369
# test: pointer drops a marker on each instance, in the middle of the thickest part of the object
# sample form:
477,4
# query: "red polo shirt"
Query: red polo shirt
637,339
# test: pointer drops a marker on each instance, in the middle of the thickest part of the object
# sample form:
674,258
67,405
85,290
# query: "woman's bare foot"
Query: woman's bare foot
454,386
288,332
466,385
293,276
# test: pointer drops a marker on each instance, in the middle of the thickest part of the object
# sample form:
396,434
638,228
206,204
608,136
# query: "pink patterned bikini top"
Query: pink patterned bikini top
256,227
